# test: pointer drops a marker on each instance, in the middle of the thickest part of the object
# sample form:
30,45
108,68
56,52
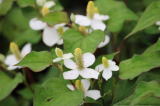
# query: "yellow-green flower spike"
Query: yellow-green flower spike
59,52
15,50
105,62
78,85
60,30
78,57
91,9
44,11
82,29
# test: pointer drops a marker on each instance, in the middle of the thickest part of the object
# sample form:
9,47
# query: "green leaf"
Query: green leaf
133,67
36,61
16,28
138,64
88,43
8,84
54,92
118,13
144,94
153,48
149,17
56,18
25,3
9,101
5,6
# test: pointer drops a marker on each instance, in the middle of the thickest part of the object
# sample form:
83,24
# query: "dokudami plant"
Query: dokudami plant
61,58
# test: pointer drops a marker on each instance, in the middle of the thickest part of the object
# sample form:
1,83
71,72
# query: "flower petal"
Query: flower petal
113,66
59,25
40,2
11,61
94,94
158,23
71,87
50,36
101,17
26,49
82,20
37,24
88,59
86,84
67,55
105,42
107,74
57,59
99,68
49,4
71,75
89,73
60,42
70,64
98,25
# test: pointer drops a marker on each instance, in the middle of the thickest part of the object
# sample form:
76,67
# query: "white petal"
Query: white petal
113,66
94,94
71,75
67,55
99,68
82,20
59,25
107,74
101,17
71,87
1,1
86,84
158,23
70,64
60,42
40,2
49,4
26,49
37,24
50,36
11,61
105,42
57,59
98,25
89,73
88,59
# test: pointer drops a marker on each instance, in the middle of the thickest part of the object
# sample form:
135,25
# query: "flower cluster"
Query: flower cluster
52,35
79,67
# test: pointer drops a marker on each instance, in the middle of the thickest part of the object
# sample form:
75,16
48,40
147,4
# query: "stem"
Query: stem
25,80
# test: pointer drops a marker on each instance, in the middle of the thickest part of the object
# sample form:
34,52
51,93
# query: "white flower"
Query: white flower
94,94
61,56
105,42
96,22
51,35
107,67
11,60
80,67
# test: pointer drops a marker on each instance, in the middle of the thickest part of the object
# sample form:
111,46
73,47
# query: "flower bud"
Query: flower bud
91,9
105,61
82,29
78,85
15,50
59,52
60,30
44,11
